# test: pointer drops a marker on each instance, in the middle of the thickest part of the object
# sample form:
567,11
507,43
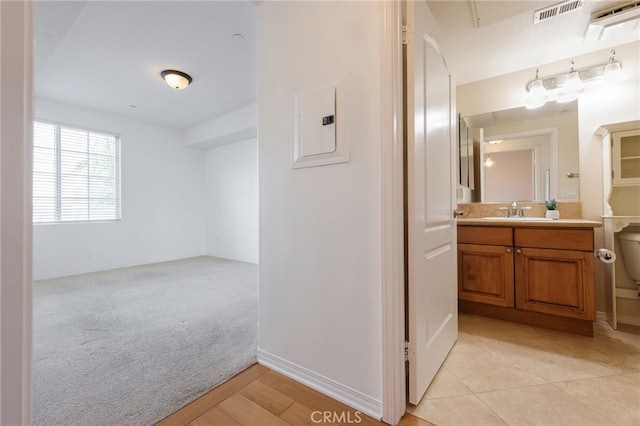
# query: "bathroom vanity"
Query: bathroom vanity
532,272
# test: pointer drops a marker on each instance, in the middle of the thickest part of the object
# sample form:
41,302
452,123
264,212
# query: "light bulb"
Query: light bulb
537,94
571,88
613,72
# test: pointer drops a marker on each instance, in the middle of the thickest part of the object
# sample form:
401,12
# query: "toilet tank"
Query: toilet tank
630,247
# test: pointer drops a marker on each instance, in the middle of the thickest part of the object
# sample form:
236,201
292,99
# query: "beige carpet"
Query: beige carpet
130,346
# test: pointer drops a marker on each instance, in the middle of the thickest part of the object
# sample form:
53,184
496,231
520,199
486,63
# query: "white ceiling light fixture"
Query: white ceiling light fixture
537,93
176,79
572,87
613,70
489,162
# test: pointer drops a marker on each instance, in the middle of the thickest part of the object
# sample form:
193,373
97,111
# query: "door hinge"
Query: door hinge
406,351
405,34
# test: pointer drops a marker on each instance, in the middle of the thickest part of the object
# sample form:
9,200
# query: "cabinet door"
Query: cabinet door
557,282
485,274
626,157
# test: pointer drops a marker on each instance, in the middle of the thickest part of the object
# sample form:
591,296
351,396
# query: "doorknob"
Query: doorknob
457,213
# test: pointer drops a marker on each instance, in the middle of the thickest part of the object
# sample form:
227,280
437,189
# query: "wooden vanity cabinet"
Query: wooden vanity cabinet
554,272
485,265
532,275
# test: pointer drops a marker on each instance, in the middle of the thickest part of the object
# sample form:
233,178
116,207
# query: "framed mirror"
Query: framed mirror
522,154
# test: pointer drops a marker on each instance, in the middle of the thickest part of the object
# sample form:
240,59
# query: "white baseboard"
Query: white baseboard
351,397
622,319
628,319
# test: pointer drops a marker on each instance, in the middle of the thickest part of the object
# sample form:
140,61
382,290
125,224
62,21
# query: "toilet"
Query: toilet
630,247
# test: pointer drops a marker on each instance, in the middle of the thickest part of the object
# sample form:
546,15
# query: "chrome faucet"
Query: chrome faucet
514,211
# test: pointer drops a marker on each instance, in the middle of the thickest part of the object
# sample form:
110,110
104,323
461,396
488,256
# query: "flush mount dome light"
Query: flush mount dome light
176,79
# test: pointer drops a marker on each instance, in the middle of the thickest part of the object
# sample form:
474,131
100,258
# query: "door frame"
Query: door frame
16,367
392,214
16,127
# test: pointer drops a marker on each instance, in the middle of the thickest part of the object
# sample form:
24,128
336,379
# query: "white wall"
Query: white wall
625,200
599,105
320,238
231,188
162,202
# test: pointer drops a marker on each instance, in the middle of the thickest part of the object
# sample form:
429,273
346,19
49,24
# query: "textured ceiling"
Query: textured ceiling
508,40
107,56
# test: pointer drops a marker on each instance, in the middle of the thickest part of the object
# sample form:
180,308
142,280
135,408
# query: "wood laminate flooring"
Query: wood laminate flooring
259,396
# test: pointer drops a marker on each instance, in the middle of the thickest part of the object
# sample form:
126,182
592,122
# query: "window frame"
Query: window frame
57,178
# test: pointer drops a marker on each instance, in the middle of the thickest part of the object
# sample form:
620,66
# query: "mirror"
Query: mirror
521,154
465,155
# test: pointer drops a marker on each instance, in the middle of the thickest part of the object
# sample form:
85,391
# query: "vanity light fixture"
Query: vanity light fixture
568,87
176,79
537,94
488,162
572,87
613,70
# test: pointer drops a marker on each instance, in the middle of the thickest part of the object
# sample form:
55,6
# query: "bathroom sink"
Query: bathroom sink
518,219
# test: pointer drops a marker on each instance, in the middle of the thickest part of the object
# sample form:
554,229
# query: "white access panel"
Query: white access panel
318,127
317,119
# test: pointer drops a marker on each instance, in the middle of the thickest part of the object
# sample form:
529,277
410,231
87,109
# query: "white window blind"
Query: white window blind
76,175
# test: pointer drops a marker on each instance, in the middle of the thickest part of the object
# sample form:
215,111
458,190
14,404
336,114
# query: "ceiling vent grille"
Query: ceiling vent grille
620,10
614,22
557,10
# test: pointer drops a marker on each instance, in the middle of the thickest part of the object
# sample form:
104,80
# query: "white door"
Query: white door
432,256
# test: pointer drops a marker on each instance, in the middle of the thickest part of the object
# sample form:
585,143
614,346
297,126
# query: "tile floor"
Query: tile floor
505,373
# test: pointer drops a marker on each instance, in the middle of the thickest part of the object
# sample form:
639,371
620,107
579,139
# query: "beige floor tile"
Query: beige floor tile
616,350
628,334
615,397
544,405
446,384
481,370
549,360
465,410
483,328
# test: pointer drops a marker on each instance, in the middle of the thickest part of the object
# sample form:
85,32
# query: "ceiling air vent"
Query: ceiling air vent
561,8
613,22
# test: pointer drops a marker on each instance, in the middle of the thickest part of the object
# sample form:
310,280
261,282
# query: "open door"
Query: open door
431,227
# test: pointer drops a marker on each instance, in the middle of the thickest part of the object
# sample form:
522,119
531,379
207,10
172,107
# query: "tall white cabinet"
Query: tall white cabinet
621,171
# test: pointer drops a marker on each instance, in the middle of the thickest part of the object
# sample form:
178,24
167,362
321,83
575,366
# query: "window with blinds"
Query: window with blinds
76,175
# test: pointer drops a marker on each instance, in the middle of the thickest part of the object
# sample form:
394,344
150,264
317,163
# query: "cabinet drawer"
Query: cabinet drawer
490,235
554,238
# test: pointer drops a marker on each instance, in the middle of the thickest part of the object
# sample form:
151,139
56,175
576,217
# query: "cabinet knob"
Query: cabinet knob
519,251
508,250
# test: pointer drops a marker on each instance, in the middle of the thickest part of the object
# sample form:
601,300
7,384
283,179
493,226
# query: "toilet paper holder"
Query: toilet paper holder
605,256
